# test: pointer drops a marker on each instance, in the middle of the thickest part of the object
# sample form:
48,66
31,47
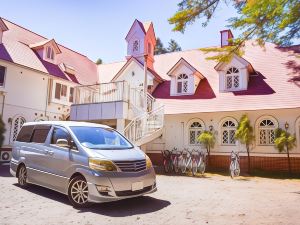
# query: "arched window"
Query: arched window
266,131
182,83
17,124
232,78
228,128
195,129
135,46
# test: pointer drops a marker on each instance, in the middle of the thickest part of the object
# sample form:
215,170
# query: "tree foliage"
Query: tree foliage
208,139
2,131
244,134
276,21
160,49
284,141
99,61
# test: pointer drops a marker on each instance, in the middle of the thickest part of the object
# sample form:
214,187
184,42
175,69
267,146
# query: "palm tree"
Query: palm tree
284,141
208,139
244,134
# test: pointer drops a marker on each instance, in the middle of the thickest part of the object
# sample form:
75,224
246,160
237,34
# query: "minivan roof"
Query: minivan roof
66,123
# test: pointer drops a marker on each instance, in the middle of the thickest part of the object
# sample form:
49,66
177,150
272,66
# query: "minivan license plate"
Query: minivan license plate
137,186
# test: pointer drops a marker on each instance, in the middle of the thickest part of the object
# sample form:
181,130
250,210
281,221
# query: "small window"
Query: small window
195,129
59,133
61,91
232,79
71,96
40,134
182,83
135,46
50,53
2,75
266,130
228,132
25,134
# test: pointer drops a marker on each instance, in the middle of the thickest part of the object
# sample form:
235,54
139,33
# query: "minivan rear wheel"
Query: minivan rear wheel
22,176
78,192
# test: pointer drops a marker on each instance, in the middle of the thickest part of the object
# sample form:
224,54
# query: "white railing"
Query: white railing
145,125
105,92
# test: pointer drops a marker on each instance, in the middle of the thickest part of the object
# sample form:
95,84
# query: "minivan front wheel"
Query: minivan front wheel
78,192
22,176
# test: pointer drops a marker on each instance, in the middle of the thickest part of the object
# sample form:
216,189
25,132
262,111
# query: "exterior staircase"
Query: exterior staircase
148,125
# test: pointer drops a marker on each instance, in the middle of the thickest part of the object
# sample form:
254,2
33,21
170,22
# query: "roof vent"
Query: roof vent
226,35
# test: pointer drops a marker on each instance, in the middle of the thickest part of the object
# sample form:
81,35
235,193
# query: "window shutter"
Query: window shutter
71,96
57,90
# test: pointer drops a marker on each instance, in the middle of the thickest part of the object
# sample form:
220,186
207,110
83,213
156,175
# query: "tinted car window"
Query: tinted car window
59,133
40,134
25,134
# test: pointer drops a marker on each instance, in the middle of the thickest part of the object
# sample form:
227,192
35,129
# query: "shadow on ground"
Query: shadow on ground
123,208
4,170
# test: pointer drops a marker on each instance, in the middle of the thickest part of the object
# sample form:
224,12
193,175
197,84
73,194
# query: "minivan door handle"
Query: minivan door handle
50,152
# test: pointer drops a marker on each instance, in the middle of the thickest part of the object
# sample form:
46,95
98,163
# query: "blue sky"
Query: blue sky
97,28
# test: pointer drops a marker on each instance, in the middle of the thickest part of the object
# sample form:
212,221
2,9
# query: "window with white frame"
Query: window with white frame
49,53
266,131
182,83
232,78
228,131
17,124
2,75
135,46
195,129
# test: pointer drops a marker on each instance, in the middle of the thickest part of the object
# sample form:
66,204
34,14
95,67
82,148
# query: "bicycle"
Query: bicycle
234,164
167,163
174,159
185,160
199,163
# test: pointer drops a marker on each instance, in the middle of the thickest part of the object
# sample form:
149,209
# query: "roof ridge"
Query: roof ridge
44,37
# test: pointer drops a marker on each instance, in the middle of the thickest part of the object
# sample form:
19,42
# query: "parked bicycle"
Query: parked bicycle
167,162
234,164
185,160
175,154
198,162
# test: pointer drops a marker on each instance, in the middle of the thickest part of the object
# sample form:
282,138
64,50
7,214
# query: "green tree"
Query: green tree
244,134
208,139
285,142
173,46
2,131
159,48
99,61
276,21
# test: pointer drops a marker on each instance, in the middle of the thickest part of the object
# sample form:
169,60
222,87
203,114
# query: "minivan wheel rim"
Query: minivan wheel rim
22,176
79,192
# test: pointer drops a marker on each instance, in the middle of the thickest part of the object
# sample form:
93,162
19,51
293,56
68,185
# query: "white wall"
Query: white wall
176,129
26,95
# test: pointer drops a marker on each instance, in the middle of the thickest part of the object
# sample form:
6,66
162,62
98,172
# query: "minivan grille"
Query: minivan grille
131,166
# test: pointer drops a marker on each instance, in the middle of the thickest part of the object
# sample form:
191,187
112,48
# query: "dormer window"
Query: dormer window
49,53
135,46
232,78
182,83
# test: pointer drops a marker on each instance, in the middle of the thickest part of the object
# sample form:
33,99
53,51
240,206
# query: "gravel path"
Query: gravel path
214,199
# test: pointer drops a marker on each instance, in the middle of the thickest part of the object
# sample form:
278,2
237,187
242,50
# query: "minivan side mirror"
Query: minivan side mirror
63,143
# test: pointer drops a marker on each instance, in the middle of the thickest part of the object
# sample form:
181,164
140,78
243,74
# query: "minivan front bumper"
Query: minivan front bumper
110,186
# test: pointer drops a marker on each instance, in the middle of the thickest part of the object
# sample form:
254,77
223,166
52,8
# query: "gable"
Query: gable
136,31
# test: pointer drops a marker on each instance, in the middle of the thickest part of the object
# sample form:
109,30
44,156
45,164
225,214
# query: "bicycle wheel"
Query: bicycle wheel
175,164
231,168
194,167
202,167
166,166
237,170
183,165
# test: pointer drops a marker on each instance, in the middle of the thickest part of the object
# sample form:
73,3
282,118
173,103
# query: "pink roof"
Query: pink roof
15,48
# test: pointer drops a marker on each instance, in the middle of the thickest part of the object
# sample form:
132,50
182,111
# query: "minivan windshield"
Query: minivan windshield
100,138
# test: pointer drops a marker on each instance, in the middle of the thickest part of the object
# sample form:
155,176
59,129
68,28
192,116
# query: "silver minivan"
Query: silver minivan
88,162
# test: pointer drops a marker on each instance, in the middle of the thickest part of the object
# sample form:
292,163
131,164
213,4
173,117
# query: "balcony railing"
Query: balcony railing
105,92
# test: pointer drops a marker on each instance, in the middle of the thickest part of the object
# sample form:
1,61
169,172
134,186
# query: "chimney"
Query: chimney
225,36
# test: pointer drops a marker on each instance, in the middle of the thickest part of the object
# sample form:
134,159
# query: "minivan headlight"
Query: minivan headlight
102,165
148,162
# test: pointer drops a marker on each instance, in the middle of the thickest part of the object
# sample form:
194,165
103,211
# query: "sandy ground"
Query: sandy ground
214,199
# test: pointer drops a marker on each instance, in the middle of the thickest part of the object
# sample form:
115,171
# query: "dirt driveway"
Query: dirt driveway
180,200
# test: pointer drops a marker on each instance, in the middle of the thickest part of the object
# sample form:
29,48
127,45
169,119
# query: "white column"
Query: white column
121,125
